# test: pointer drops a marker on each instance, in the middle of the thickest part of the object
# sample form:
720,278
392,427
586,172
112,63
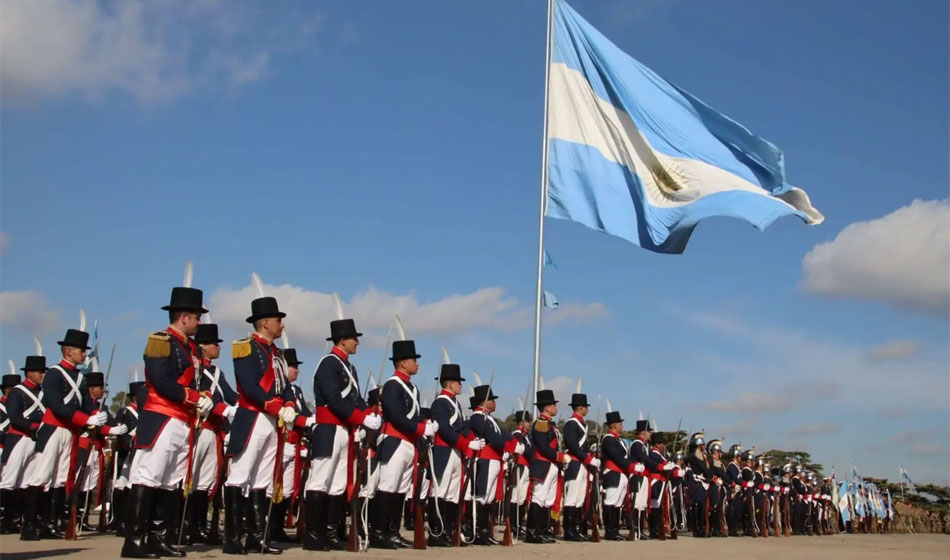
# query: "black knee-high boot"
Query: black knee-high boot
138,512
316,521
255,514
30,531
163,513
395,520
336,509
233,520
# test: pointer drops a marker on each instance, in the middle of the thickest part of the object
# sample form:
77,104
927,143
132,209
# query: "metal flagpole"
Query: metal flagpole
544,197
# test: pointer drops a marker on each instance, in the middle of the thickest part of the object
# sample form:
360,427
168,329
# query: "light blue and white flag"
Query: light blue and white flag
549,300
906,478
548,261
632,155
93,353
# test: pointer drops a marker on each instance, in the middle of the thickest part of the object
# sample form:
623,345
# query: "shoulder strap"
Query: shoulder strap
73,385
36,400
413,396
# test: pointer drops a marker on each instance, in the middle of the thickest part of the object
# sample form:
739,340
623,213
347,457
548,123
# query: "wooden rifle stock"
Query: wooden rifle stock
786,517
775,515
723,526
764,524
507,539
105,491
418,500
353,538
706,515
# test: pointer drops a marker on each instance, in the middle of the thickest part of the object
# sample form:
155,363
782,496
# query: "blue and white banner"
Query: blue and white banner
906,478
634,156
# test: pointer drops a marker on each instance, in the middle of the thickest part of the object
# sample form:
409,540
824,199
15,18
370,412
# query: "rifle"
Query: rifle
352,541
595,505
105,489
189,482
510,479
764,523
457,534
418,500
775,514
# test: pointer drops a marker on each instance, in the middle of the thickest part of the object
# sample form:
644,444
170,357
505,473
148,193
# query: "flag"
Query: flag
548,261
94,350
635,156
906,478
549,300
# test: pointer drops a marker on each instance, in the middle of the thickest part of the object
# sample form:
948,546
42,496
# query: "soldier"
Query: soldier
265,410
63,420
580,459
291,453
659,472
403,425
7,384
715,492
498,444
520,493
370,482
451,441
700,481
617,469
639,487
209,447
165,430
545,468
736,508
340,409
92,446
128,415
24,412
747,496
797,500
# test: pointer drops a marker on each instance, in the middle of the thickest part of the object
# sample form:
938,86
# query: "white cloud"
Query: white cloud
310,312
27,312
153,51
902,259
895,350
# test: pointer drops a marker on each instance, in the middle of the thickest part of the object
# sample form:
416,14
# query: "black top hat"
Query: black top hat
522,416
134,387
207,334
450,372
473,402
658,438
544,398
34,363
10,380
94,379
343,328
372,398
185,299
484,393
76,338
290,356
578,399
613,417
264,308
644,426
404,350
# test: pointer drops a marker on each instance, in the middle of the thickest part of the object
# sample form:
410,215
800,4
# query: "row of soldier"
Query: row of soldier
188,444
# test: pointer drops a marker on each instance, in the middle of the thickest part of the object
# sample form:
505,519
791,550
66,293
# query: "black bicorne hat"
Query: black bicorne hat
265,308
34,363
484,393
404,350
185,299
290,356
372,398
522,416
613,417
578,399
644,425
94,379
10,380
75,338
343,328
207,334
544,398
450,372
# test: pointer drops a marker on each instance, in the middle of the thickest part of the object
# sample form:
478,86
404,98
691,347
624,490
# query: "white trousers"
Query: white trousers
205,461
164,464
328,474
91,480
253,467
395,475
18,463
643,495
576,490
614,497
368,490
287,458
545,491
520,492
51,467
491,488
122,478
448,486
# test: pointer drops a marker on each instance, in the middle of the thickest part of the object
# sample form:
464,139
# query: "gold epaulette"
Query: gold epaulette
241,348
541,425
159,345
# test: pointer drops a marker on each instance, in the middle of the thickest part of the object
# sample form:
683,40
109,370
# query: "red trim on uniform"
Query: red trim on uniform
218,409
403,376
391,430
488,452
300,421
510,445
326,416
357,416
29,384
274,406
340,353
80,418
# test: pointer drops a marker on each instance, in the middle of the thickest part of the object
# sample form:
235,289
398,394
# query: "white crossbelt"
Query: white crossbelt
36,401
414,393
455,405
74,385
352,384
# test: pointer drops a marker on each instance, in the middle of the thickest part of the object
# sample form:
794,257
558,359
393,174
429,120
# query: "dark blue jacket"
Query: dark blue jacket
21,424
614,451
452,433
171,361
401,412
336,394
546,441
60,411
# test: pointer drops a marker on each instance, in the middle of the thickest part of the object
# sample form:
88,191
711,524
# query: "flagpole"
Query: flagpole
544,196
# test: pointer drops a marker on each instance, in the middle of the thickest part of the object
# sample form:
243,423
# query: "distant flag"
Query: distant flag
93,353
548,261
906,478
549,300
634,156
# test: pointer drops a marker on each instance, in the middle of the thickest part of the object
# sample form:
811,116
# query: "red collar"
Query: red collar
29,384
448,393
261,339
340,354
177,334
481,409
641,438
66,364
205,361
403,376
613,433
578,417
544,416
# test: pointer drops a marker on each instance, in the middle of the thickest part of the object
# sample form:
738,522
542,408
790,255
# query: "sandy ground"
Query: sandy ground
842,547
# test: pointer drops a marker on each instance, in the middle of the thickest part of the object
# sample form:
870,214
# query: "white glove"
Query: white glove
678,473
519,448
227,438
311,420
287,414
359,435
98,419
476,445
505,456
749,484
431,428
118,430
373,421
639,468
229,412
205,404
669,467
595,462
766,487
718,482
303,453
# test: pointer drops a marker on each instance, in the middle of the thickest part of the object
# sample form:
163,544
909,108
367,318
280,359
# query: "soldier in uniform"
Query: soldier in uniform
403,425
747,495
715,492
7,383
291,454
452,440
700,482
797,501
92,446
545,468
736,507
209,447
498,444
520,494
580,459
617,470
128,415
265,410
340,409
660,471
165,430
64,419
639,487
24,413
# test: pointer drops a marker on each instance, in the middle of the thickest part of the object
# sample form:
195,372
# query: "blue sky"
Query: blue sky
391,153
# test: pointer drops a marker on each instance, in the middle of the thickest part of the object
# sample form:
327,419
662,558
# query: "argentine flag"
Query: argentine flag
632,155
